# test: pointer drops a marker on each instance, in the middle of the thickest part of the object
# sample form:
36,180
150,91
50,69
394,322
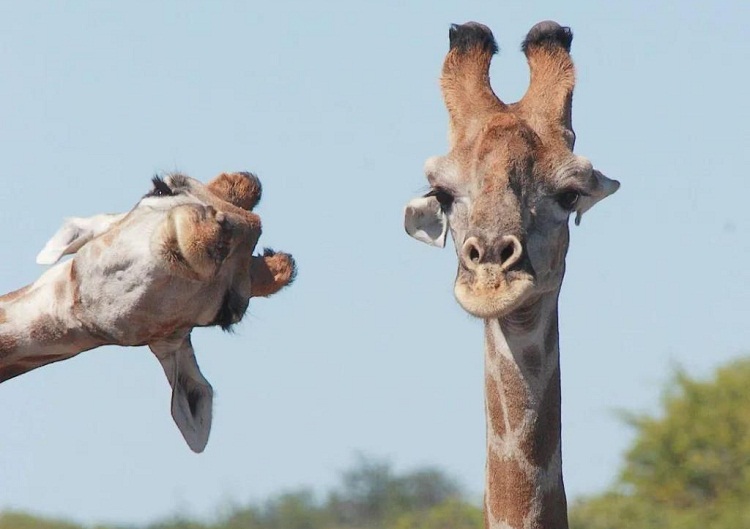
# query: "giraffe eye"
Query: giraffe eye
444,198
161,189
568,199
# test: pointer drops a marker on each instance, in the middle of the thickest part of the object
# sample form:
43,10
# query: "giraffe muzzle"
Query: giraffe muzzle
493,279
505,253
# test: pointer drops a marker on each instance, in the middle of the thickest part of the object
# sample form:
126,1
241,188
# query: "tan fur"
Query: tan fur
523,384
106,240
271,273
46,328
509,163
513,490
73,284
548,101
495,420
504,192
514,392
8,343
236,189
181,258
466,90
197,235
13,296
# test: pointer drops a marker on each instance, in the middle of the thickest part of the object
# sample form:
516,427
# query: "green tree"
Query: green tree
690,466
373,495
297,510
426,488
178,522
451,514
370,496
17,520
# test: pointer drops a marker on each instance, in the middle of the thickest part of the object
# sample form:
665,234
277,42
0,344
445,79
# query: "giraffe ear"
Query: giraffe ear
602,189
426,221
74,233
192,395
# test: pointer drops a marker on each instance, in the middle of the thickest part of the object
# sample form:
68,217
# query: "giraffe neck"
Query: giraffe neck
524,486
37,324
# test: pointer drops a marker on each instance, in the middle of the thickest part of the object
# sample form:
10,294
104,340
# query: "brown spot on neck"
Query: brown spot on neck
45,329
495,412
515,391
525,412
489,341
501,371
8,344
3,317
75,287
510,491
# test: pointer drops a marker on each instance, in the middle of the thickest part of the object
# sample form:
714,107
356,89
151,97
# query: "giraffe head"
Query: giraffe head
181,258
510,181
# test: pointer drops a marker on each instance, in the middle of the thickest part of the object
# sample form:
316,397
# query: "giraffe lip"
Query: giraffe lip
493,295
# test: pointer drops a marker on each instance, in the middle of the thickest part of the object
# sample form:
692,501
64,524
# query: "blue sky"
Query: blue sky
336,106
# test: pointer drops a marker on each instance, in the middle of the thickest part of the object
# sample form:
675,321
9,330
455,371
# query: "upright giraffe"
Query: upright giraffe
181,258
506,191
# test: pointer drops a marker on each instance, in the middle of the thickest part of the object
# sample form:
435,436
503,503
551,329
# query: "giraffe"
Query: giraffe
181,258
505,191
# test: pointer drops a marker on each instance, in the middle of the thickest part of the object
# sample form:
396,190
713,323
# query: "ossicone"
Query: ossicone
464,37
548,33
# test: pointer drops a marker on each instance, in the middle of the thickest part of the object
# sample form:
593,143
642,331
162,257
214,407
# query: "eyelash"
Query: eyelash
161,189
568,198
444,198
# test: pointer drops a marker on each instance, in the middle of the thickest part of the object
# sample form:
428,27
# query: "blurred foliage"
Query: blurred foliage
688,468
370,496
450,514
17,520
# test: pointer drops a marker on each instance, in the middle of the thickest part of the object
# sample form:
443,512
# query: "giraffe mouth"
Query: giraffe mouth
489,294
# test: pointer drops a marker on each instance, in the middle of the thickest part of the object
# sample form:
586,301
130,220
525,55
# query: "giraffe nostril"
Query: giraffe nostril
472,253
511,251
507,253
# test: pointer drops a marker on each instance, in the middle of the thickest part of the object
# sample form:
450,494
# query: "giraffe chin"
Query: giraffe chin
493,301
